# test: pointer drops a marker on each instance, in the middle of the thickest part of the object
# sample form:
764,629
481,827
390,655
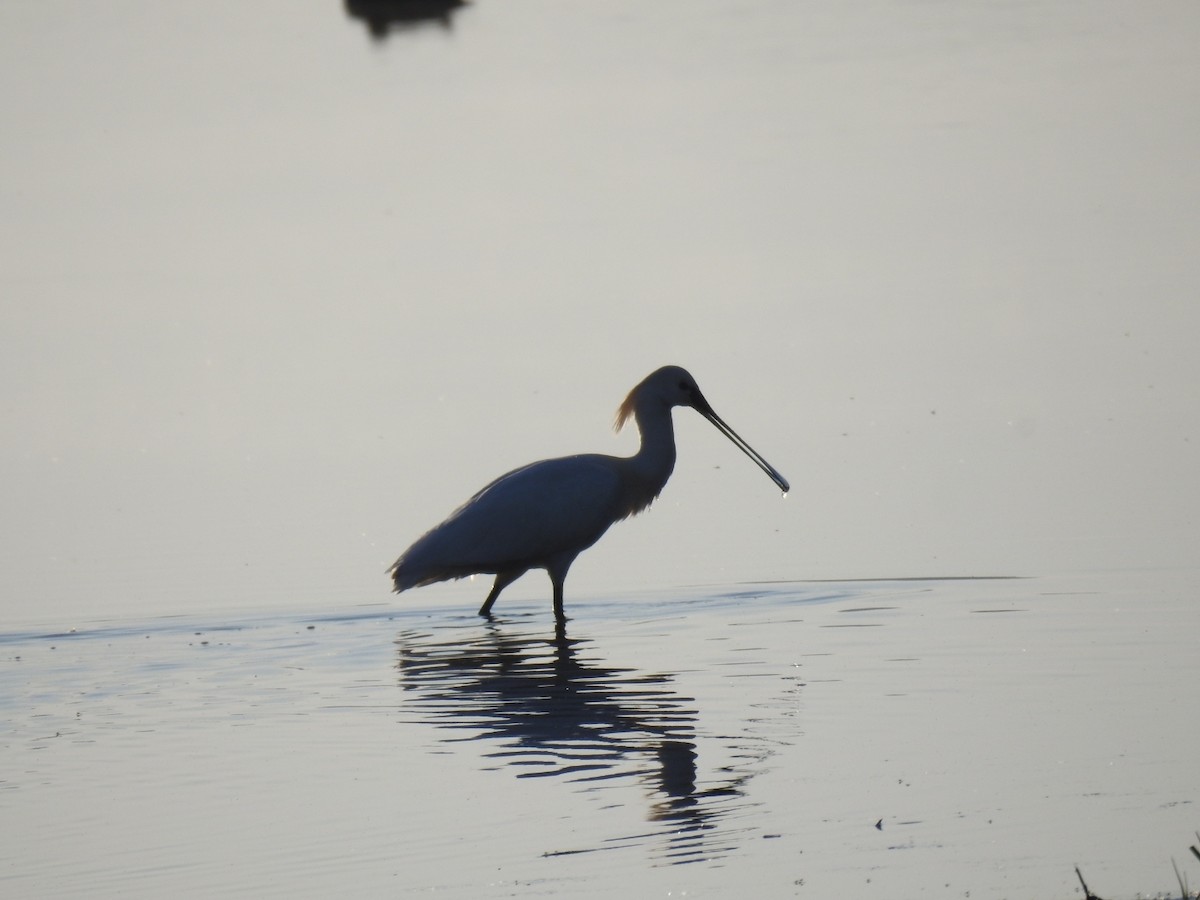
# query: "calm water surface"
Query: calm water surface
285,283
279,296
918,738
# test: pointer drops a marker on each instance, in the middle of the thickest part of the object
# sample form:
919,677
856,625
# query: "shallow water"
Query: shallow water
278,295
946,738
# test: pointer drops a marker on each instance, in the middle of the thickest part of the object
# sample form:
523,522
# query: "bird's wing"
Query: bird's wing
530,514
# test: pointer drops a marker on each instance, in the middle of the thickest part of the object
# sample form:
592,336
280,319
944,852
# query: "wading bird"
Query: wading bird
543,515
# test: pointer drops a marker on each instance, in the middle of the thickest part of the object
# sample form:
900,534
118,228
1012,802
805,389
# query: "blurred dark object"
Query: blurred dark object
382,17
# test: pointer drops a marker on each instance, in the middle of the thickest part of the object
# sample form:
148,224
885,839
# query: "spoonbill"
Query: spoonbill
543,515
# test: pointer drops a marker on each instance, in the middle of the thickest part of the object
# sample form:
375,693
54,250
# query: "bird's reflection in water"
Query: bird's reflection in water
385,17
552,708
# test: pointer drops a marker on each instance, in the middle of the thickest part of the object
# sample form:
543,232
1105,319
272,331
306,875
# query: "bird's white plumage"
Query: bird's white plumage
530,514
543,515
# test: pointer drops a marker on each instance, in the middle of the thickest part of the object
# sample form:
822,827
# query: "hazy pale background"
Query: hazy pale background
275,297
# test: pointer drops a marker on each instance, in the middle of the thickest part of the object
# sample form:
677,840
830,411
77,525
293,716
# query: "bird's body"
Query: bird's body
543,515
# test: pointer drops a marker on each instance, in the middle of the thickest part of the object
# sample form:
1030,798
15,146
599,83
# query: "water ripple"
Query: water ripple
551,707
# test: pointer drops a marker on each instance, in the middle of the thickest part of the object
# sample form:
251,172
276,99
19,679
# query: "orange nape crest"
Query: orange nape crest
624,411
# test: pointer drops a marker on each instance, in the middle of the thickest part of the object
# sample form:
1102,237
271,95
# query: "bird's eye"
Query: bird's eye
685,387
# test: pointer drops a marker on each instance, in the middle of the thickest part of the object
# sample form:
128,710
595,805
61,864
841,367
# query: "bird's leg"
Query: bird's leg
559,616
557,570
503,580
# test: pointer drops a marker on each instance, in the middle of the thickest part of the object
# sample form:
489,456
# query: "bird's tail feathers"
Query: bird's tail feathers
402,580
405,576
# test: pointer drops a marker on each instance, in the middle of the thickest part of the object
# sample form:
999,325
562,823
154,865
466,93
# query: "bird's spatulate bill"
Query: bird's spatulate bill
707,411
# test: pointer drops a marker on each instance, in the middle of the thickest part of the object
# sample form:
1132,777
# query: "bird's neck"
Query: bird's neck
652,465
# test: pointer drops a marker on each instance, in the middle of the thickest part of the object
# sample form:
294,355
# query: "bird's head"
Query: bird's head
667,387
663,389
